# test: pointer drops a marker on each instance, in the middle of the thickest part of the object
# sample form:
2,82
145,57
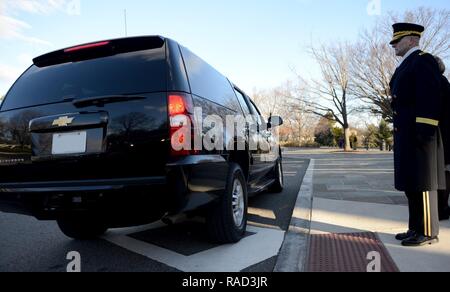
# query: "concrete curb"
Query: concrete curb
294,250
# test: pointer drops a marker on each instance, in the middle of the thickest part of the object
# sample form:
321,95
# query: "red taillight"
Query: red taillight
181,126
176,105
88,46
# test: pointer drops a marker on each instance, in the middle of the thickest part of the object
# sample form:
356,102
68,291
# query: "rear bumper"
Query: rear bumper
190,182
117,200
80,185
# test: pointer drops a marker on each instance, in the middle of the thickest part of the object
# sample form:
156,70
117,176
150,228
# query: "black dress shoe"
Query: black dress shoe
420,240
406,235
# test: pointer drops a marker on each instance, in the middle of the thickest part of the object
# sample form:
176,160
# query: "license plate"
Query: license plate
69,143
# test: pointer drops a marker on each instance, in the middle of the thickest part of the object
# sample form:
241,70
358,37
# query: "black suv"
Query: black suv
87,133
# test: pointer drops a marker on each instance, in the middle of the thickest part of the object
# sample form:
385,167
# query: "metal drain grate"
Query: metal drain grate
346,253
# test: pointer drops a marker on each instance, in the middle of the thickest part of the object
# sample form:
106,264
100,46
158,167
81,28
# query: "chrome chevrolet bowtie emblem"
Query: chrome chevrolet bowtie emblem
62,121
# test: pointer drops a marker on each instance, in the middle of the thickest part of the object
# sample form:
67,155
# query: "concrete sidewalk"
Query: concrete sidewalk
354,193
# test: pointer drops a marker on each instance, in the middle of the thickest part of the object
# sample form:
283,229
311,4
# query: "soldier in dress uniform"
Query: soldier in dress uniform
443,195
418,149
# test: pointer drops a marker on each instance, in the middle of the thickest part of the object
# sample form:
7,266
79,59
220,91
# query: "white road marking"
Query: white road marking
264,244
265,213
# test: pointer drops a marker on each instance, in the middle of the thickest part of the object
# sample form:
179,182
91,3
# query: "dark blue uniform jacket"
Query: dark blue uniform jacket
445,120
417,104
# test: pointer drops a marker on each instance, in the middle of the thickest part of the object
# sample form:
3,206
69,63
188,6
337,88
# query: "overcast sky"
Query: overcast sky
253,42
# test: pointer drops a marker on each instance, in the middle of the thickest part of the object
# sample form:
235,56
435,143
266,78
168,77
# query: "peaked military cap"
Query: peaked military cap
402,30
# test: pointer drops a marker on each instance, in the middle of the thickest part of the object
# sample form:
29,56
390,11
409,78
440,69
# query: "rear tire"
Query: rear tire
278,185
227,219
82,227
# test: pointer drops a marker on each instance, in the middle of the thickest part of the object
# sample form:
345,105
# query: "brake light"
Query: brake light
176,105
181,124
88,46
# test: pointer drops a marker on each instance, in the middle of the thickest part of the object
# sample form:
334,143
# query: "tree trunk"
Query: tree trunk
347,147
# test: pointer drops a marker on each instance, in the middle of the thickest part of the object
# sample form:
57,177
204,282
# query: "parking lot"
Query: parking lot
30,245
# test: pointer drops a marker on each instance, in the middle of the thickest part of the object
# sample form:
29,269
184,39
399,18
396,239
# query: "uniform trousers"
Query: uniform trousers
423,213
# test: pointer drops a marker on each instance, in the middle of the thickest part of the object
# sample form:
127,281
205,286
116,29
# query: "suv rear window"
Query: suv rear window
127,73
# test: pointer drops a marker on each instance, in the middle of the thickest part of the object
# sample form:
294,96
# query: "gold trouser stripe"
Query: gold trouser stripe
425,217
429,214
427,121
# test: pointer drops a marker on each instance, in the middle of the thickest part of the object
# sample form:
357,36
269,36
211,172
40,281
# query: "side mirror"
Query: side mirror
274,121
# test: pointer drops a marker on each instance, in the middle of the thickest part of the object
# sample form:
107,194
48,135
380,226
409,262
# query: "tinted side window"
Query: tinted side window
242,102
128,73
207,82
256,113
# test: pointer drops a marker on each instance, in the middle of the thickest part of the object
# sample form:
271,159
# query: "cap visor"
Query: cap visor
395,40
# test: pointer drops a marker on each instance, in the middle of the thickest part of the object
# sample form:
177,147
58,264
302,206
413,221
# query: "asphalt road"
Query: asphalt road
30,245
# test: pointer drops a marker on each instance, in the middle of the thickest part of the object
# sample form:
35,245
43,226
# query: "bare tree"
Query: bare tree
436,39
372,67
268,101
330,95
373,60
284,101
299,123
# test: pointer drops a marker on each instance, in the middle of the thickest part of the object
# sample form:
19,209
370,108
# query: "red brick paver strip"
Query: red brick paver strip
346,253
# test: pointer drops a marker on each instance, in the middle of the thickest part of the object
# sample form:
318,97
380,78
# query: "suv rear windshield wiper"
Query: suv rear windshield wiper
102,100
